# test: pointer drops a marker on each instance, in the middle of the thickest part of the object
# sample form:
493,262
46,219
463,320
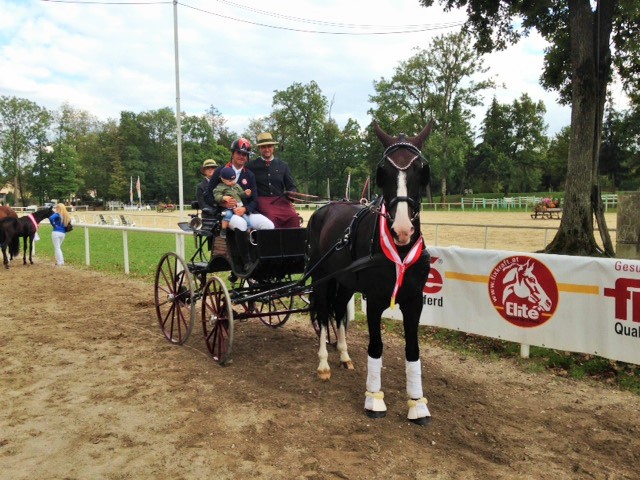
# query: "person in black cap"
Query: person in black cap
226,190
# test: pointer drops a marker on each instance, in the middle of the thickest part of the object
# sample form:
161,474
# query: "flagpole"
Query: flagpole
178,124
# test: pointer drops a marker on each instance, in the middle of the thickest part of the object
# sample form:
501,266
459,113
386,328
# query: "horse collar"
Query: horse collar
33,220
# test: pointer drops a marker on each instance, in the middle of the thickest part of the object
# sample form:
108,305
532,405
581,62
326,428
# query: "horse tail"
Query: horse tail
14,245
9,235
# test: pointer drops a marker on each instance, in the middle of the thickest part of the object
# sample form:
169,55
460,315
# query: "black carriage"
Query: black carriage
261,281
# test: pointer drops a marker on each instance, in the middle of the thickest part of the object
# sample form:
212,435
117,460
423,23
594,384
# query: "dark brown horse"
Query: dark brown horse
376,250
7,212
9,239
27,228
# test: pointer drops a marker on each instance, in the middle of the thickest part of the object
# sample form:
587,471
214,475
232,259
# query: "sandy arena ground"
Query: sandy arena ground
89,388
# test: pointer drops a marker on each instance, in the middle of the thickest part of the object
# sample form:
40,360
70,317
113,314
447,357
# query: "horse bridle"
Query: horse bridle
418,155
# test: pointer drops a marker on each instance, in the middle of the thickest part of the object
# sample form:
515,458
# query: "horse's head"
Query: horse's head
43,213
403,175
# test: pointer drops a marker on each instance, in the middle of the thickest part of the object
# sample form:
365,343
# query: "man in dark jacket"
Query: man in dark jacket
274,179
204,196
240,150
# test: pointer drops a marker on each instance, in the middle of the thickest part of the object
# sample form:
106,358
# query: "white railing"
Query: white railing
179,235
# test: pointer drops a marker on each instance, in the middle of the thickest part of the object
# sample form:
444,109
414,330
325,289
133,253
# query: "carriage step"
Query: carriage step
199,267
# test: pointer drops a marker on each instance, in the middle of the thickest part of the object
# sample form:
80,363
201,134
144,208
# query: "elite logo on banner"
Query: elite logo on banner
523,291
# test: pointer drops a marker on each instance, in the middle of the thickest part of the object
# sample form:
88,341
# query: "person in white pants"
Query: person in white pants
59,220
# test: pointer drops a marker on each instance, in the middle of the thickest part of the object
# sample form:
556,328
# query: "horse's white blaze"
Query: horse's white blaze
402,222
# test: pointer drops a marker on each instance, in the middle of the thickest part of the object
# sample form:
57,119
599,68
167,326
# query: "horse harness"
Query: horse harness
375,207
417,155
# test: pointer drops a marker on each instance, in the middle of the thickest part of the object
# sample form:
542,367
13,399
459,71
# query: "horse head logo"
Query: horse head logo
522,282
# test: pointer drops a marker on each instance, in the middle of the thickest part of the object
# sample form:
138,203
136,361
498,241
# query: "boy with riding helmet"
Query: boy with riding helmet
274,180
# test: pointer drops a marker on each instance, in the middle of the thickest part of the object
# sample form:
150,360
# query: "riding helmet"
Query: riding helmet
241,145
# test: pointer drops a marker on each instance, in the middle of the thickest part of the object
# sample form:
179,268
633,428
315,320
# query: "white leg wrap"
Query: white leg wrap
374,374
374,402
418,409
414,379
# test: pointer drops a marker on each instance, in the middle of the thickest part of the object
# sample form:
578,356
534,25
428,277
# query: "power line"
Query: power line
418,29
396,29
105,2
318,22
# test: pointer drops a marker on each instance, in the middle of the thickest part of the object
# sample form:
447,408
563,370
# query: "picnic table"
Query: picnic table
165,207
542,211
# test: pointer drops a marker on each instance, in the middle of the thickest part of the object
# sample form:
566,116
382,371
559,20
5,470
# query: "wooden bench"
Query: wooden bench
540,211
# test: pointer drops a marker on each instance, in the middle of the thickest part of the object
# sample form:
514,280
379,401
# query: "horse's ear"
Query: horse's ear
419,139
384,137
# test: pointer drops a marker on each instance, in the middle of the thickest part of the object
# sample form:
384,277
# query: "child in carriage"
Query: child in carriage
226,189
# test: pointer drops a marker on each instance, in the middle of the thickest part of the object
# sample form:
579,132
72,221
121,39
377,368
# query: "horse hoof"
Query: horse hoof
324,375
421,421
374,414
348,365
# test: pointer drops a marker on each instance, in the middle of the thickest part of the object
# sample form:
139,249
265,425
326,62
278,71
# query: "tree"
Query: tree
619,147
437,82
578,63
555,171
491,169
22,124
299,113
218,124
529,143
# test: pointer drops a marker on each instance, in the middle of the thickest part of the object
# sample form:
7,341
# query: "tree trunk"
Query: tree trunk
443,183
602,33
590,74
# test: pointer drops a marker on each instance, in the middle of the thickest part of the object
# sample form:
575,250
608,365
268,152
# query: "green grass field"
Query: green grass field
107,250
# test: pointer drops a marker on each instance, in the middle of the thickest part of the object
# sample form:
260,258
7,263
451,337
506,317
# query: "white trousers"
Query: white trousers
257,221
58,238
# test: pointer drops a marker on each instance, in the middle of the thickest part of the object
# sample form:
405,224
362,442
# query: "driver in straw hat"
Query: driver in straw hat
274,180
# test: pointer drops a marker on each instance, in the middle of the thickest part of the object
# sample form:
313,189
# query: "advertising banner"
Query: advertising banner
578,304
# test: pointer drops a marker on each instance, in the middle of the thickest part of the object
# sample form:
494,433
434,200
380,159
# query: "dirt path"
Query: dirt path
89,388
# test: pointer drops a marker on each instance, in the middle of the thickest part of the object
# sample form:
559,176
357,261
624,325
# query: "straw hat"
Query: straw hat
266,139
209,162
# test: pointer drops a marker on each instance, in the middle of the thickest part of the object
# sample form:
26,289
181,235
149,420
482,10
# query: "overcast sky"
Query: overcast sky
105,57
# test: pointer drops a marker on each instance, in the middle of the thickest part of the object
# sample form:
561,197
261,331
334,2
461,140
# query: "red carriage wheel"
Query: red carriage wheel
217,320
175,303
273,311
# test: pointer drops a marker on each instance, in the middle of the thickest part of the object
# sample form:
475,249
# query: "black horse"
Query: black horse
377,250
27,229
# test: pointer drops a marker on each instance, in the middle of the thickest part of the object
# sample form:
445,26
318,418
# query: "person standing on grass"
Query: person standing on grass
59,220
